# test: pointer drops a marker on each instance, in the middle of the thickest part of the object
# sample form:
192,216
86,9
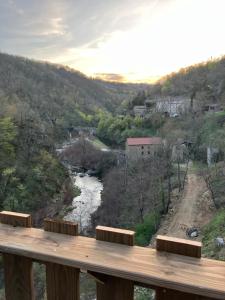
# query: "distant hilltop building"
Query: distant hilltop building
142,147
171,106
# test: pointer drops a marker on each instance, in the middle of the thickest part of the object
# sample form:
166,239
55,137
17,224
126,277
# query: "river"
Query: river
90,197
88,201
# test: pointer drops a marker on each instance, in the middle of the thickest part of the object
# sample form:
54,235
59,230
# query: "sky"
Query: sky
123,40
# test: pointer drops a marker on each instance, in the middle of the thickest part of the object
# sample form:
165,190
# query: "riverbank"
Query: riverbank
73,154
60,205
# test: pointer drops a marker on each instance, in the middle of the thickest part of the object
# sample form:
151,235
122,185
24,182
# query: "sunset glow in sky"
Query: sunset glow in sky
137,39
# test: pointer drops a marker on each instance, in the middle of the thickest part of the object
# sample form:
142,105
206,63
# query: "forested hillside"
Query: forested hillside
205,85
39,102
54,94
199,129
204,82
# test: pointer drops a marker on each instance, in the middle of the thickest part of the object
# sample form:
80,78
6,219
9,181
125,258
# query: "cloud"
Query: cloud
15,8
114,36
72,23
110,77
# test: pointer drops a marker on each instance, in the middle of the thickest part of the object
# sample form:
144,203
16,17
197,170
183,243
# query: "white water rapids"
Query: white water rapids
88,201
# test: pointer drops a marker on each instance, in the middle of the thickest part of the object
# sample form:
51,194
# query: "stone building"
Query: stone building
142,147
171,106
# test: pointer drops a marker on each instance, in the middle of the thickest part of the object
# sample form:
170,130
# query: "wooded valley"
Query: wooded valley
42,104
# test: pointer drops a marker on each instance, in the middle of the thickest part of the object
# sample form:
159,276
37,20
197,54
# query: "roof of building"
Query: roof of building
144,141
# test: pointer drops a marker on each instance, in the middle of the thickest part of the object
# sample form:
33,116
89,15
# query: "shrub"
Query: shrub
145,230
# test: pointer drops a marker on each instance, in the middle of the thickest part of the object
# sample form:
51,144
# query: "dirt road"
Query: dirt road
193,209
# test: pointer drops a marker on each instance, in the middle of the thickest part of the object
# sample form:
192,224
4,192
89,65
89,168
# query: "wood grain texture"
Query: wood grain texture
15,219
202,277
18,270
115,235
178,246
182,247
115,288
59,226
62,282
18,277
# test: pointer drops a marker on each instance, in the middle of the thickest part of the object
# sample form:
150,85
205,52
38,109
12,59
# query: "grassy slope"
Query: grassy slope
216,228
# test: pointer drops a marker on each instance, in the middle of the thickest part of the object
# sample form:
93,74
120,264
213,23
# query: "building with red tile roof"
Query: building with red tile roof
142,147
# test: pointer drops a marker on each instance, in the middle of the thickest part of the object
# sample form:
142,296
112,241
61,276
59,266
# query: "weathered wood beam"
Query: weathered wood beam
182,247
115,288
141,265
115,235
17,269
15,219
62,281
178,246
60,226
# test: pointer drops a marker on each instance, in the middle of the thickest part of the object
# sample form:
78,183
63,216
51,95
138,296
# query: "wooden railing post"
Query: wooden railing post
62,281
182,247
17,269
115,288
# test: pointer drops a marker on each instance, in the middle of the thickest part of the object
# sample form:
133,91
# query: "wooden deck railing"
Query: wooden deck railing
175,269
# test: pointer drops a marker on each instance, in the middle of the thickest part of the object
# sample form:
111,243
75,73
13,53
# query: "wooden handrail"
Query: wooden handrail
115,287
202,278
18,269
62,280
182,247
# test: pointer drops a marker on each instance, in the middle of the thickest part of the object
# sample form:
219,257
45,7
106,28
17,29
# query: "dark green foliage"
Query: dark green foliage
32,185
31,176
145,231
212,132
7,136
139,99
216,228
214,177
115,130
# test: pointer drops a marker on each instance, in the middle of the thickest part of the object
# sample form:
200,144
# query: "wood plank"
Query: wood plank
60,226
115,288
202,277
182,247
18,277
15,219
18,270
62,281
115,235
178,246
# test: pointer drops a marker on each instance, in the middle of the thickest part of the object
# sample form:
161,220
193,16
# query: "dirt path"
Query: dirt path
193,209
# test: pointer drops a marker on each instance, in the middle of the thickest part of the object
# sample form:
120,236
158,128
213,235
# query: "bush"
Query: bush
216,228
145,230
